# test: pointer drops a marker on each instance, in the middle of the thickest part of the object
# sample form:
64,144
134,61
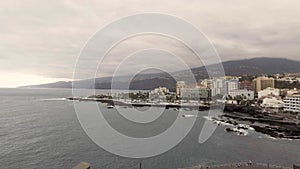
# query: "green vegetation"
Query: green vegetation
171,98
141,96
101,96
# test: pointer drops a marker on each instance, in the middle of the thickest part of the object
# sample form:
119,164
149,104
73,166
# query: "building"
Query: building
221,86
288,79
207,83
272,102
231,84
179,86
159,94
292,102
195,93
161,90
218,86
245,84
292,92
288,92
296,75
200,85
287,83
268,91
248,94
262,83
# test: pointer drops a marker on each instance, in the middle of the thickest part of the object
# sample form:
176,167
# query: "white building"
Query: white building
288,79
159,94
161,90
207,83
292,92
249,94
179,86
195,93
223,85
231,84
292,103
268,91
218,86
272,102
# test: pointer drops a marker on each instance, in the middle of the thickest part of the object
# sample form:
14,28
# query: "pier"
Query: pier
115,102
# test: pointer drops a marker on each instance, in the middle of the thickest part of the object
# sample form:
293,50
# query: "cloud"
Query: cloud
44,38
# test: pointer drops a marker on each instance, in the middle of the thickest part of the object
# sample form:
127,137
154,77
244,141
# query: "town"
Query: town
269,104
277,93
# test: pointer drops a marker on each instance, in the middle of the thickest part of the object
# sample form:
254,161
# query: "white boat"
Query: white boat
110,106
189,115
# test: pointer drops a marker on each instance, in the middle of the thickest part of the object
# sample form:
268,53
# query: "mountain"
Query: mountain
263,65
254,66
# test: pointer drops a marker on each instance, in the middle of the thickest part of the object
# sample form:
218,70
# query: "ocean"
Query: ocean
39,129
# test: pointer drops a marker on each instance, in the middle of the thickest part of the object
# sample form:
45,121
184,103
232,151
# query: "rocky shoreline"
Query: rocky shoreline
277,125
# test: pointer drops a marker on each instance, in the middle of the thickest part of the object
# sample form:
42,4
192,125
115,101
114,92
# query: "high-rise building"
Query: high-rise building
180,85
262,83
222,86
231,84
218,87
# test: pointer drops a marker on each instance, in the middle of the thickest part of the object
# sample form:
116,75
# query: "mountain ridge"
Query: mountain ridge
252,66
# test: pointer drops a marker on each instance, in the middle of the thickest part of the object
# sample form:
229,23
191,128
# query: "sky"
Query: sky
41,39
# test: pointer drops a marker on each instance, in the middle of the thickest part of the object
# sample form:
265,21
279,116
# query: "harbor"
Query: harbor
113,102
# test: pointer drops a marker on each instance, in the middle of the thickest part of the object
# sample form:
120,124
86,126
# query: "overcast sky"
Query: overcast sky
41,39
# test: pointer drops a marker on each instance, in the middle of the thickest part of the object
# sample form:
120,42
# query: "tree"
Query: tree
228,97
238,99
170,98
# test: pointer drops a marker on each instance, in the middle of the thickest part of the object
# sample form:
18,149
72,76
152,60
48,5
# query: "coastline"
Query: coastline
273,125
278,125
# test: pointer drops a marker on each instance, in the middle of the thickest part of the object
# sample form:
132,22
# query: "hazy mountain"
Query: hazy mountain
255,66
261,65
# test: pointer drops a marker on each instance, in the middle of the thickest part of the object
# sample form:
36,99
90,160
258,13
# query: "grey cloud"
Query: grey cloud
45,37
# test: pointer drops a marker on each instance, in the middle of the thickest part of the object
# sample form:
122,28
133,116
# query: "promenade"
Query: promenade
239,166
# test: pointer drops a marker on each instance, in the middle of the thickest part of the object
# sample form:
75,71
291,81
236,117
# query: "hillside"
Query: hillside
255,66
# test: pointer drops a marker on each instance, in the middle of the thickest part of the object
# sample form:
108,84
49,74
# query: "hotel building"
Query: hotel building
292,103
262,83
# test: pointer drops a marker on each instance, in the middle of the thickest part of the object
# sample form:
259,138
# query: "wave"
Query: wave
217,121
189,115
54,99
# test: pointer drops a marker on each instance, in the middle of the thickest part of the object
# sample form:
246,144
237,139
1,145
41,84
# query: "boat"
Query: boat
110,106
189,115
